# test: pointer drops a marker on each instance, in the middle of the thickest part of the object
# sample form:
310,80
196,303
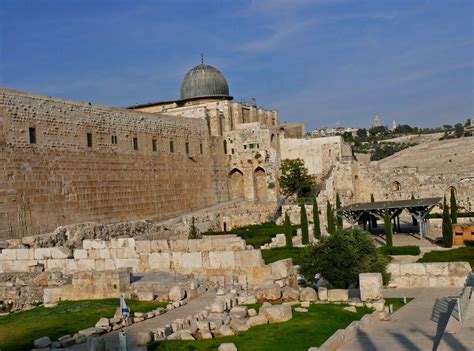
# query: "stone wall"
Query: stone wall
223,256
428,275
59,179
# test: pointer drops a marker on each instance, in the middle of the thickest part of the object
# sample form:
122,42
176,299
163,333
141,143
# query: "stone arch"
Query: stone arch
396,186
236,184
273,140
260,184
452,187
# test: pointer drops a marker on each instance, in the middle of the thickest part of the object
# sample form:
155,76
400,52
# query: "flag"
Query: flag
124,308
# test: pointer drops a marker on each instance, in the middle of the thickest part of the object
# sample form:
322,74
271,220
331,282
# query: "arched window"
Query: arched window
396,186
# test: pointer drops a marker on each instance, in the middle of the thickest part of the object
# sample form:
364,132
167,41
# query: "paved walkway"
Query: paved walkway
112,341
418,326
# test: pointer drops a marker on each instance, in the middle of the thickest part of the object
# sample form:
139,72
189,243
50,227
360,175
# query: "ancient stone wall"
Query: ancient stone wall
95,163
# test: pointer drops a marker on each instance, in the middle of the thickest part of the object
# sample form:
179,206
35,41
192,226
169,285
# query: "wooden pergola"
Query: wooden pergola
365,212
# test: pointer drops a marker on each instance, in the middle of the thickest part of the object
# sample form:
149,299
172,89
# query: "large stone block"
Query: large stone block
160,261
437,269
277,313
124,242
8,254
248,258
127,263
42,253
60,252
143,246
412,269
371,286
257,275
25,254
94,244
221,259
282,268
56,265
459,269
393,269
86,264
338,295
191,260
80,254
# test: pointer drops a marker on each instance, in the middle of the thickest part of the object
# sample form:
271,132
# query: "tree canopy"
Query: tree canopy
294,179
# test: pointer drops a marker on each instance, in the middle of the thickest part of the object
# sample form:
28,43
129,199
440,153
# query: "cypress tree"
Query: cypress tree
373,218
288,233
304,224
454,207
447,226
193,231
338,215
388,228
330,218
415,222
316,222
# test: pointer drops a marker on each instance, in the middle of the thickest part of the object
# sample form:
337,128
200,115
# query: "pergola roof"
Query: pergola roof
380,205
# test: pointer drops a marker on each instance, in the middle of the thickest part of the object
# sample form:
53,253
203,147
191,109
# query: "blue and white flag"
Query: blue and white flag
124,308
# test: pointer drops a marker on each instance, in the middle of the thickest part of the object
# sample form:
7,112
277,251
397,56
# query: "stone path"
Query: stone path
418,326
112,341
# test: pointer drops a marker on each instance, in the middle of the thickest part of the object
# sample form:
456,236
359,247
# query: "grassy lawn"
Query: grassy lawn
256,235
454,255
281,253
397,302
298,334
19,330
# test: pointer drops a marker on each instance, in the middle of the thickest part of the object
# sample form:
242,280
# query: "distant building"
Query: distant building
394,125
328,132
377,122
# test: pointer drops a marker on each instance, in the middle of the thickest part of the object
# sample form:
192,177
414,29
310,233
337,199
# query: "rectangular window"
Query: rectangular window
171,146
135,143
89,139
233,151
187,147
245,147
201,149
153,145
114,140
251,146
32,132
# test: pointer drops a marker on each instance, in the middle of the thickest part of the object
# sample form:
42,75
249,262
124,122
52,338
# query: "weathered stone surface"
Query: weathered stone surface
103,322
378,305
252,312
144,338
370,285
257,320
323,293
308,294
239,311
277,313
176,293
257,275
43,342
289,293
218,307
270,292
227,346
186,336
224,330
247,300
145,296
301,309
305,304
338,295
350,309
282,268
237,325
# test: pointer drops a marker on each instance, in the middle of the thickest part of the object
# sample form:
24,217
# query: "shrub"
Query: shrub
400,250
339,258
469,242
454,207
193,231
330,218
387,220
304,224
338,215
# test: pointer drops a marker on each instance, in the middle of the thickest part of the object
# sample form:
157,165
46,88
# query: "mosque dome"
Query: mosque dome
204,81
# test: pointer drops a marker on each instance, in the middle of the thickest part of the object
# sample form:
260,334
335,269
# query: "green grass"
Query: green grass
19,330
281,253
454,255
397,302
256,235
301,332
400,250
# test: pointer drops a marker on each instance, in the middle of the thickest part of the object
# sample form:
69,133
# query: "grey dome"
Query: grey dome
204,81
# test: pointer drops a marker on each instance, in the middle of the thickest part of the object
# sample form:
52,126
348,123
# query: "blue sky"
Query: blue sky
320,62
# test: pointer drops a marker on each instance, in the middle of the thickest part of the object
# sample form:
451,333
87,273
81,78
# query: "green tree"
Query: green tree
304,224
294,179
288,231
415,221
454,207
316,221
339,258
338,214
387,220
447,226
193,231
361,133
330,218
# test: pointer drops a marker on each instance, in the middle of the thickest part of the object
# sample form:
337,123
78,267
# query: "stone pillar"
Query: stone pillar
370,285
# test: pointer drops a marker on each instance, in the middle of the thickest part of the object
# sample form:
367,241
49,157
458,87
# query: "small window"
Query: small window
135,143
32,132
245,147
233,151
171,146
89,139
459,233
201,149
187,147
258,146
114,140
153,145
251,146
225,146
